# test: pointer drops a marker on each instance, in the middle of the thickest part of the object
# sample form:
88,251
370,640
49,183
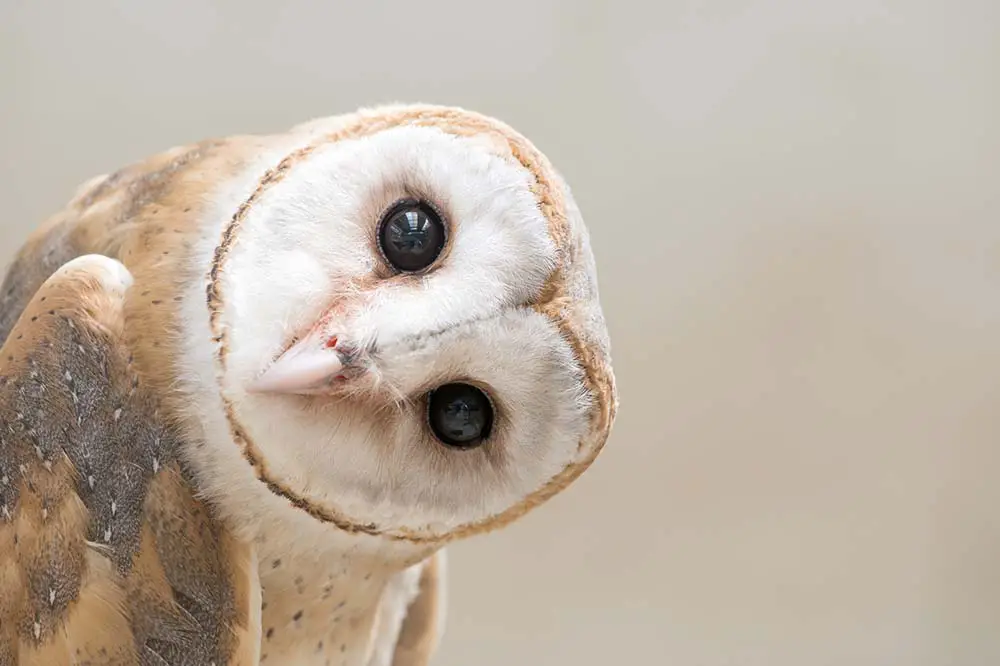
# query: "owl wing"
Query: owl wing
106,555
421,628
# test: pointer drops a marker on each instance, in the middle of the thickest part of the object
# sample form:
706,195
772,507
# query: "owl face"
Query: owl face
382,351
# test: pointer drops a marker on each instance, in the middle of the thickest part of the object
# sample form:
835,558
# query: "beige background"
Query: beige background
795,208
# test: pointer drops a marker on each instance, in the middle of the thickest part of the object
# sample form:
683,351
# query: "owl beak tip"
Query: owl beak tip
304,368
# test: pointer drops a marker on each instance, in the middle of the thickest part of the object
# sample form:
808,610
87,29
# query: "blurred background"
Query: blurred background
795,207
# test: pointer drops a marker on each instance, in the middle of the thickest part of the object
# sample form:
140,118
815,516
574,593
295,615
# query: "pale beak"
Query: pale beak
307,367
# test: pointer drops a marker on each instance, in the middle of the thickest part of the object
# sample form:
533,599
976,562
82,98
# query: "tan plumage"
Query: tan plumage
179,578
105,554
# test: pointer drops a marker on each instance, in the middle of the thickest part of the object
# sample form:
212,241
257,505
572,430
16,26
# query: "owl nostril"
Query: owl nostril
460,415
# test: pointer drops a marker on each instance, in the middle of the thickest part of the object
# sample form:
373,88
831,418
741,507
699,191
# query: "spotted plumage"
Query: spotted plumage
228,390
106,555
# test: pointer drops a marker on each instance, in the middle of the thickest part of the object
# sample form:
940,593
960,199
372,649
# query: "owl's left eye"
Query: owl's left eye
411,236
460,415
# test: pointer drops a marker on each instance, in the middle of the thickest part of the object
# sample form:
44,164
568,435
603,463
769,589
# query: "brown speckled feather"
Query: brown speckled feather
106,557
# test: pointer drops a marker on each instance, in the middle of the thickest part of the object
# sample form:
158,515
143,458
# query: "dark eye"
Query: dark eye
460,415
411,236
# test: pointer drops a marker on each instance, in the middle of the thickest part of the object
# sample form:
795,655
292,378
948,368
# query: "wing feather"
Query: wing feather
106,554
421,630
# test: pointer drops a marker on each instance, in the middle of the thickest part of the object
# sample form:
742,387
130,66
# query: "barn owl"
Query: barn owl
251,388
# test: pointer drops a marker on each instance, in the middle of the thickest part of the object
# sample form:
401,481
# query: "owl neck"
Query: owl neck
321,607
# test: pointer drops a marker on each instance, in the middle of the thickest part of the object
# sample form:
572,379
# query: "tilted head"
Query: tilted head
405,328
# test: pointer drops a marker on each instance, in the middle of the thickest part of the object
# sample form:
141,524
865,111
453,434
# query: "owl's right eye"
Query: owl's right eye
411,236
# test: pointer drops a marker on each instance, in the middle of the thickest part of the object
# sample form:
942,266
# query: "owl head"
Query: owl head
406,338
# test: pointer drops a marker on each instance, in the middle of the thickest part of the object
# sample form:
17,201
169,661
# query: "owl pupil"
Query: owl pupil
460,415
411,236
